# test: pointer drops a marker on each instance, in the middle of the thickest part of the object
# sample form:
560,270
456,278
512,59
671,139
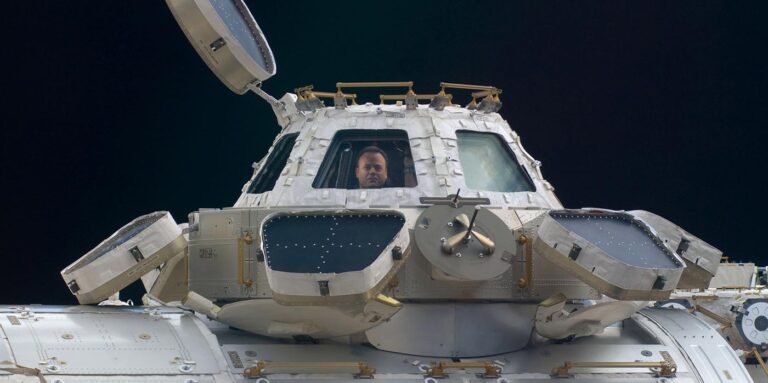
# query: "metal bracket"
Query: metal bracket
136,253
449,245
255,87
324,289
454,200
490,370
217,44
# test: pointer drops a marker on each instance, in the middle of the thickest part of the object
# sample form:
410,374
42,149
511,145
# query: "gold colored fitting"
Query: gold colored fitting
389,301
248,238
756,353
486,93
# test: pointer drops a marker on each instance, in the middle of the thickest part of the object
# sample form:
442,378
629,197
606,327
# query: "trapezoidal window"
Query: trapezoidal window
270,172
490,165
367,159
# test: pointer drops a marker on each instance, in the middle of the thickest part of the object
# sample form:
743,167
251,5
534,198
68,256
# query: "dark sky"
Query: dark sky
109,114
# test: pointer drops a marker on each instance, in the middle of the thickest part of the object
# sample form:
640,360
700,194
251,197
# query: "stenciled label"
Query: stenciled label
206,253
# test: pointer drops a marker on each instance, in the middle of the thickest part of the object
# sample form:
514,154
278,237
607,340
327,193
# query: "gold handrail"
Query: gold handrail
364,370
759,358
527,280
667,367
402,97
332,95
489,94
454,85
486,93
392,84
246,239
724,323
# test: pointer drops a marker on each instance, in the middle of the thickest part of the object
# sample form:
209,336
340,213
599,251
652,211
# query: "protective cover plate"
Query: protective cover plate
227,38
611,251
135,249
332,243
469,260
701,259
332,257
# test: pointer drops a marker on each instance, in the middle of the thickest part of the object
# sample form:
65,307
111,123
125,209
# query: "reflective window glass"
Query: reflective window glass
490,165
270,172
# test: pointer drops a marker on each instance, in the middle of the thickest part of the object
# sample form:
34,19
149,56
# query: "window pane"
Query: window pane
489,164
275,163
367,159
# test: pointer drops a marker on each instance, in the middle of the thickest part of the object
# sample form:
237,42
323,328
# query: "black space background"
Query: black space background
108,113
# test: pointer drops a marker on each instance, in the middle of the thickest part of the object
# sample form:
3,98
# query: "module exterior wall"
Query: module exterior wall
415,282
214,263
432,136
213,255
708,355
104,341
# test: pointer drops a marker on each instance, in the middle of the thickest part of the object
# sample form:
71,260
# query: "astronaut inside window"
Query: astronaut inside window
364,159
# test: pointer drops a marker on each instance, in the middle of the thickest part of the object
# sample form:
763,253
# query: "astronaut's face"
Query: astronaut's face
371,170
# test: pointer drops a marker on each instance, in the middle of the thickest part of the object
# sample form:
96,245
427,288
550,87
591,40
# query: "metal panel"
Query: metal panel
642,338
214,265
711,356
213,269
6,357
112,342
415,282
734,275
455,329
